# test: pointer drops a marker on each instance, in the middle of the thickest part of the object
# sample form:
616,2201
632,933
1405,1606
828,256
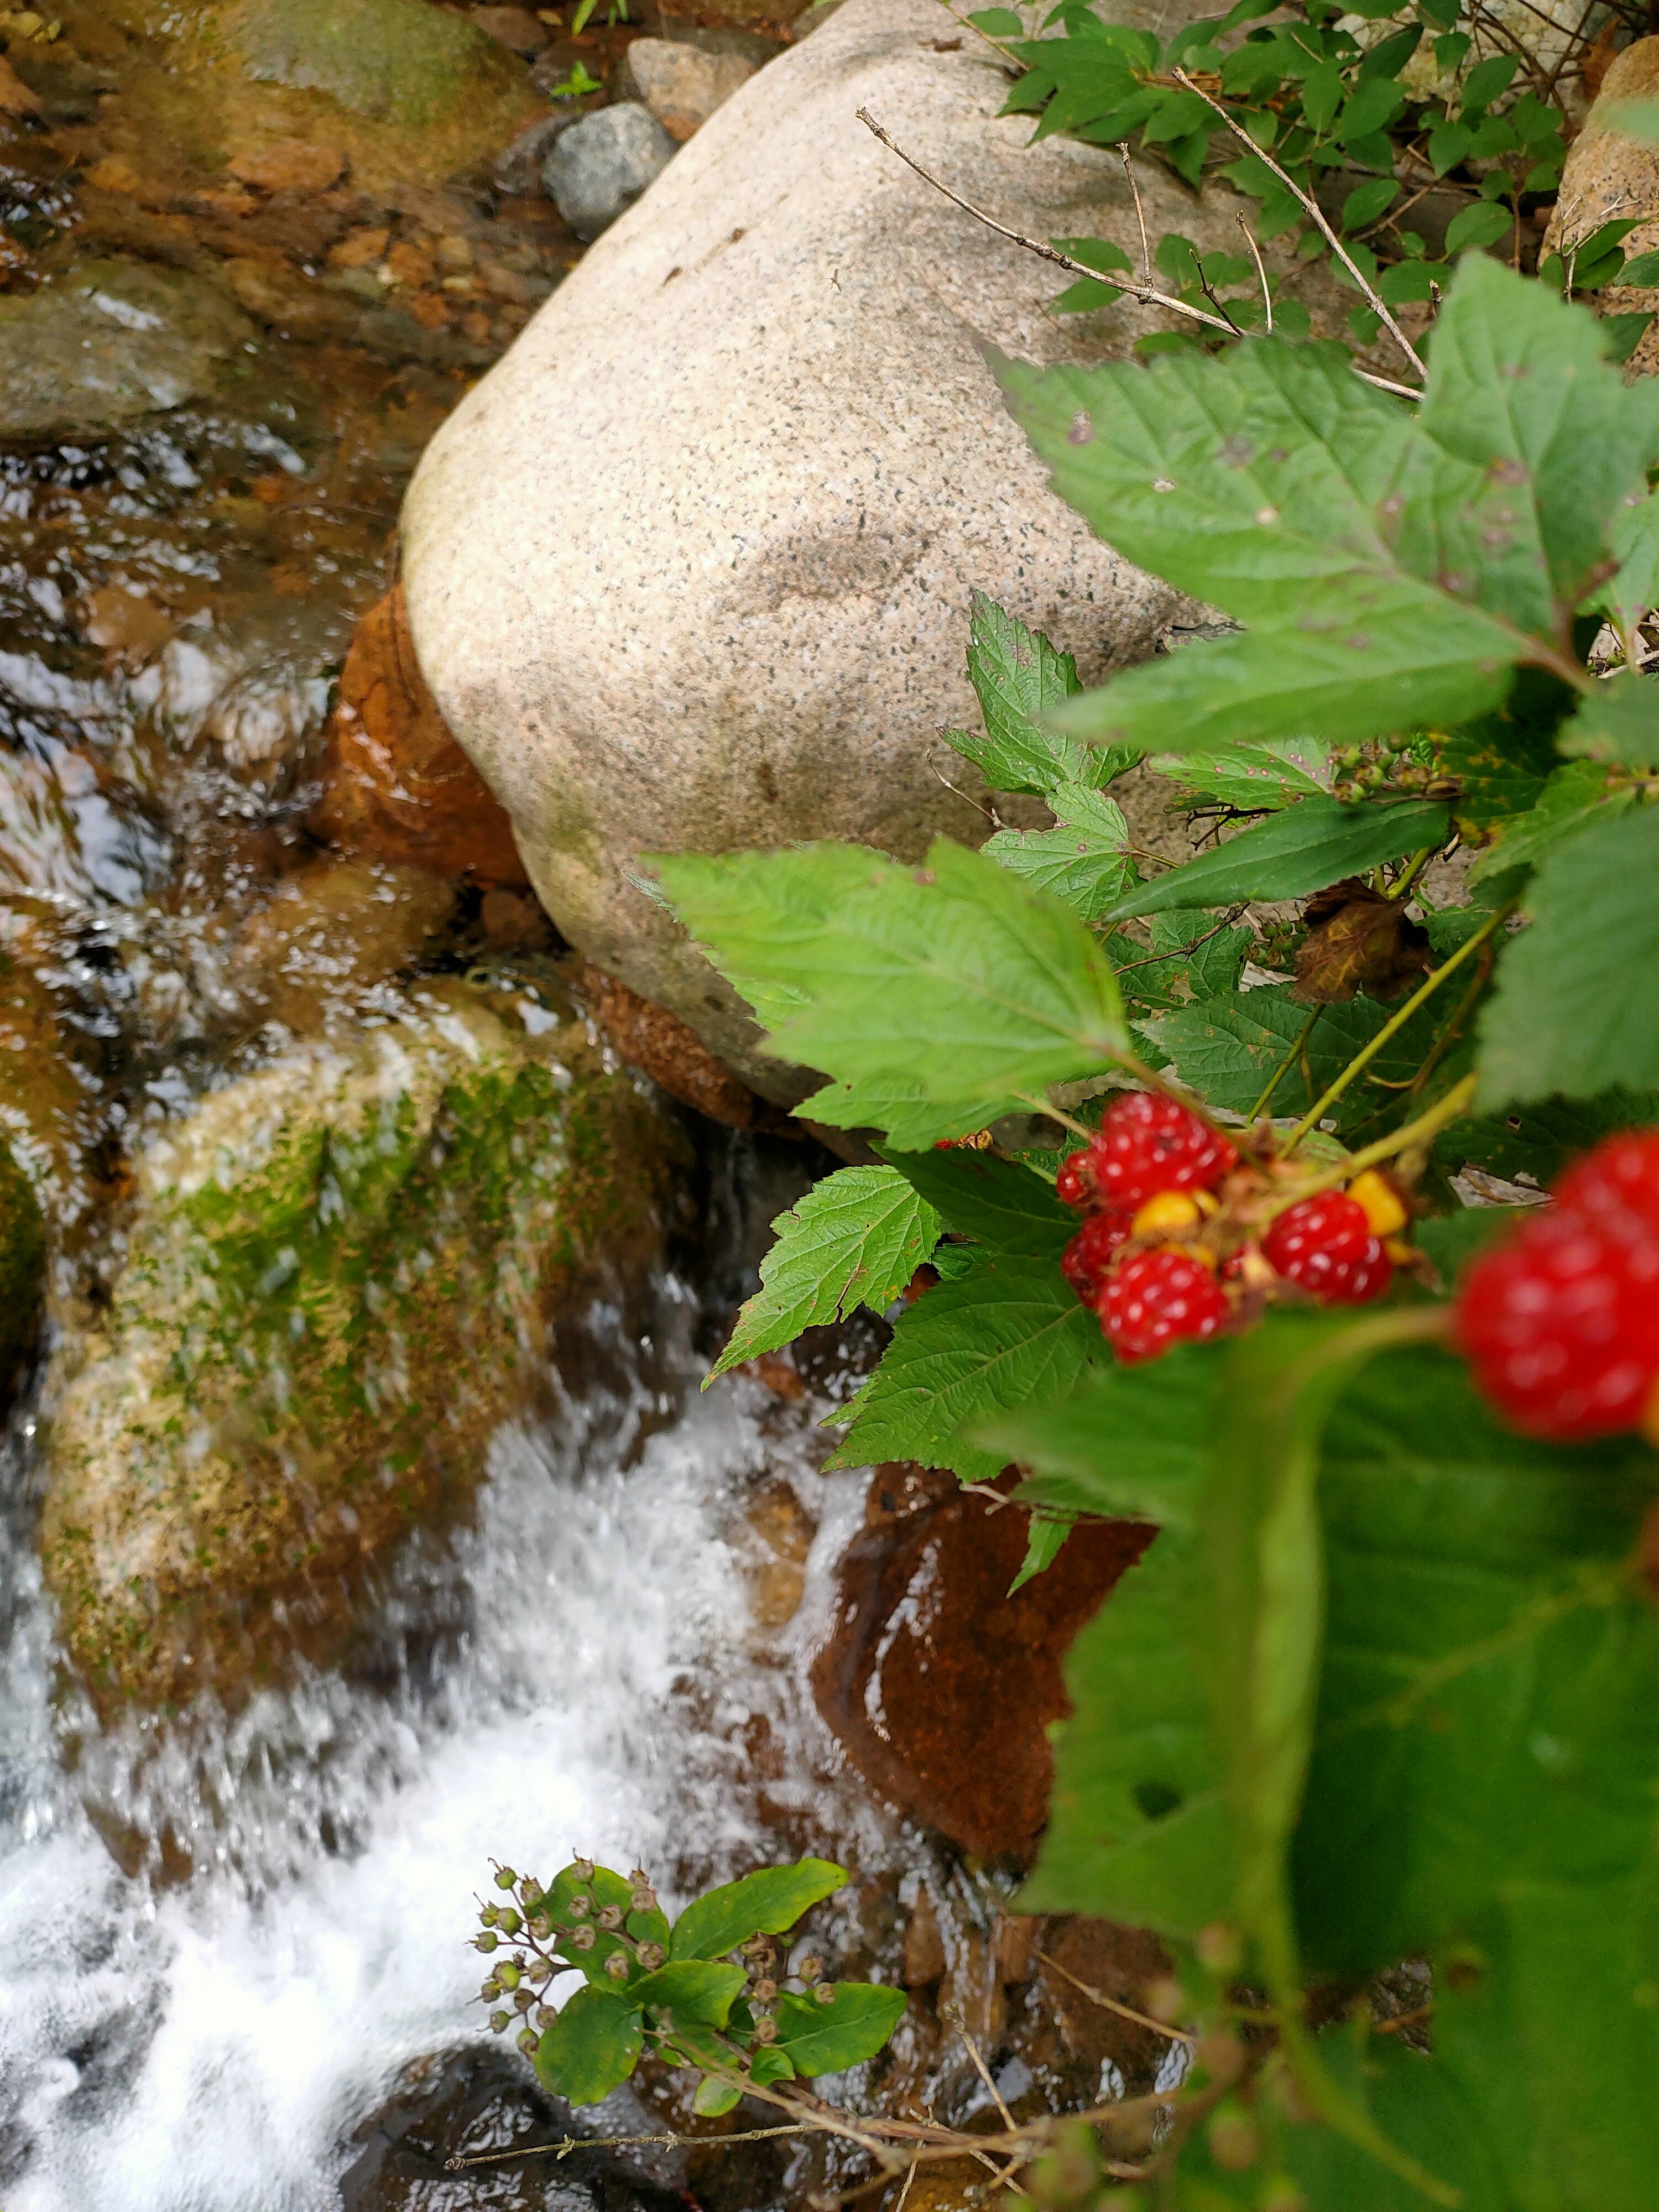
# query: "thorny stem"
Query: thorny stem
1147,293
1391,1029
1318,215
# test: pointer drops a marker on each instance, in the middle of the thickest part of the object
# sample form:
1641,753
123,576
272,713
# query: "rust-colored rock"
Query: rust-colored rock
939,1686
291,165
396,785
672,1054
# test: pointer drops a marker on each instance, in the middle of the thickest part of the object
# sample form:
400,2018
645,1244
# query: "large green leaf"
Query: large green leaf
996,1201
852,2026
764,1903
855,1239
1007,1332
1634,591
592,2047
1082,860
1617,722
1577,1007
1540,1140
1304,848
952,985
1576,797
693,1990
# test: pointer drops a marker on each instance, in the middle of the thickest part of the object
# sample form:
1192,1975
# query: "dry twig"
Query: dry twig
1260,270
1111,2004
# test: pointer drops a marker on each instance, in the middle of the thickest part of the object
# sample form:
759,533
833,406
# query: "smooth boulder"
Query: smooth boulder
341,1273
691,569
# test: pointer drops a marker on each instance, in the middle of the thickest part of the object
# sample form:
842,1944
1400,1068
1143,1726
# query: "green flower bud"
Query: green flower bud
765,1991
582,1868
487,1941
541,1927
583,1939
500,2021
579,1905
809,1969
490,1990
616,1966
612,1917
546,2014
522,2000
766,2029
539,1972
504,1877
651,1956
529,2041
824,1993
644,1899
487,1915
639,1879
507,1973
508,1921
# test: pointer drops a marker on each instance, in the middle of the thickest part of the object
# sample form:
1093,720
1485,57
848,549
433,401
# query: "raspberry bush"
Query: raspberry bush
1224,1255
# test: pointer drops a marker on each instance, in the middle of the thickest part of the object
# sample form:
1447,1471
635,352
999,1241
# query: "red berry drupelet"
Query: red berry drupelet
1074,1185
1148,1144
1155,1300
1560,1321
1085,1260
1616,1184
1326,1246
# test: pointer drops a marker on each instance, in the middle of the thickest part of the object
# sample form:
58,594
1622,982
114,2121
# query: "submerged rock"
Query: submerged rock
403,61
691,569
109,342
595,171
23,1269
928,1649
340,1273
395,785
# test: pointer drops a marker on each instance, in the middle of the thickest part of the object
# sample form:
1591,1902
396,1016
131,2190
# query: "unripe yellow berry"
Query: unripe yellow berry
1379,1201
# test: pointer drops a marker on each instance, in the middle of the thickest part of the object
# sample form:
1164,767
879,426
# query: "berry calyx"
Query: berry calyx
1560,1323
1148,1144
1157,1299
1085,1260
1326,1246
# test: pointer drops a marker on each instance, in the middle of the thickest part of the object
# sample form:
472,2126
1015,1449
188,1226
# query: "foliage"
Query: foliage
707,1991
1387,1685
1369,110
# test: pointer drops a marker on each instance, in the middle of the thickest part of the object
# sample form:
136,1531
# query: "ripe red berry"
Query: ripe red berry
1561,1324
1086,1258
1325,1245
1618,1183
1157,1299
1147,1143
1074,1185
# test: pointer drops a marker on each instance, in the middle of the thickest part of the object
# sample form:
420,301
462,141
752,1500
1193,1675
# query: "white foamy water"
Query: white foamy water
208,2046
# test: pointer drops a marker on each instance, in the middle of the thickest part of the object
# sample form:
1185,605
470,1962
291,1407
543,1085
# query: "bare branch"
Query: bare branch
1140,212
1318,215
1146,293
1111,2004
1260,270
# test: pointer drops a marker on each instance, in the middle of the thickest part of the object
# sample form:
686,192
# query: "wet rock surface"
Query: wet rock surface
929,1661
340,1276
671,1054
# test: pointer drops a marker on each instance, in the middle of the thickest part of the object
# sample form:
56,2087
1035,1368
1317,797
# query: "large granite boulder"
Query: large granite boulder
339,1275
690,567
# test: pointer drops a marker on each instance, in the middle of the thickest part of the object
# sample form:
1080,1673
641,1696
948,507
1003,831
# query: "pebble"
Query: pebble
293,165
682,85
598,168
515,27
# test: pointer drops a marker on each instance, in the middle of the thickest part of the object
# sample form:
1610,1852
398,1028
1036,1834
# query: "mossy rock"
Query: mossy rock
340,1275
399,61
22,1270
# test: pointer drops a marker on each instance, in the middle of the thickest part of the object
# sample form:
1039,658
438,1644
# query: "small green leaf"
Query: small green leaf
1619,722
828,2039
768,2064
1273,774
1006,1331
694,1990
1304,847
592,2047
855,1239
715,2096
1486,80
1019,678
1047,1531
764,1903
1483,222
1577,1007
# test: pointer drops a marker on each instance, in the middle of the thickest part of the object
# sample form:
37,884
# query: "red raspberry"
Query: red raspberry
1616,1184
1086,1258
1325,1244
1155,1300
1561,1324
1148,1144
1075,1183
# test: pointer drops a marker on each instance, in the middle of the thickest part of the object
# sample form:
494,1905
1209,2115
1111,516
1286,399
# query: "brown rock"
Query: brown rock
395,785
327,935
130,629
1082,1957
15,98
929,1657
411,264
924,1945
516,27
1609,175
682,85
290,166
673,1055
772,1543
359,249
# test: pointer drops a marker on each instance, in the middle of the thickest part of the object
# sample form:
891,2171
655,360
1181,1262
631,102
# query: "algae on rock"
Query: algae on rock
340,1273
403,61
22,1269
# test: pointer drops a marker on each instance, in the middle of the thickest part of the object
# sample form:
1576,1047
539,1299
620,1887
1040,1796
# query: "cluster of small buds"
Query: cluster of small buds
1362,771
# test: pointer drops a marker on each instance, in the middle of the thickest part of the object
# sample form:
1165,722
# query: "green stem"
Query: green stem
1399,1141
1051,1113
1363,1058
1414,868
1284,1067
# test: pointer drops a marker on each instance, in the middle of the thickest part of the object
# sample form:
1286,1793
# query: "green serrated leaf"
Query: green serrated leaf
1000,1204
1047,1533
855,1239
1005,1332
1574,799
1227,1046
1577,1006
828,2039
1020,677
592,2047
1618,723
764,1903
1083,860
1316,842
1274,773
953,987
1634,591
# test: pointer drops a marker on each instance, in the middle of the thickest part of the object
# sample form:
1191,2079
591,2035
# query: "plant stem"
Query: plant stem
1414,868
1399,1141
1391,1029
1055,1114
1285,1066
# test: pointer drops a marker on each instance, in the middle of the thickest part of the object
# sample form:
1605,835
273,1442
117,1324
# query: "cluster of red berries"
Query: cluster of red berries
1560,1321
1183,1239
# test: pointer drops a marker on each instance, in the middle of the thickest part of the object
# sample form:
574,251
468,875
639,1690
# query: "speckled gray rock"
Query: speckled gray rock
597,169
689,569
110,342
